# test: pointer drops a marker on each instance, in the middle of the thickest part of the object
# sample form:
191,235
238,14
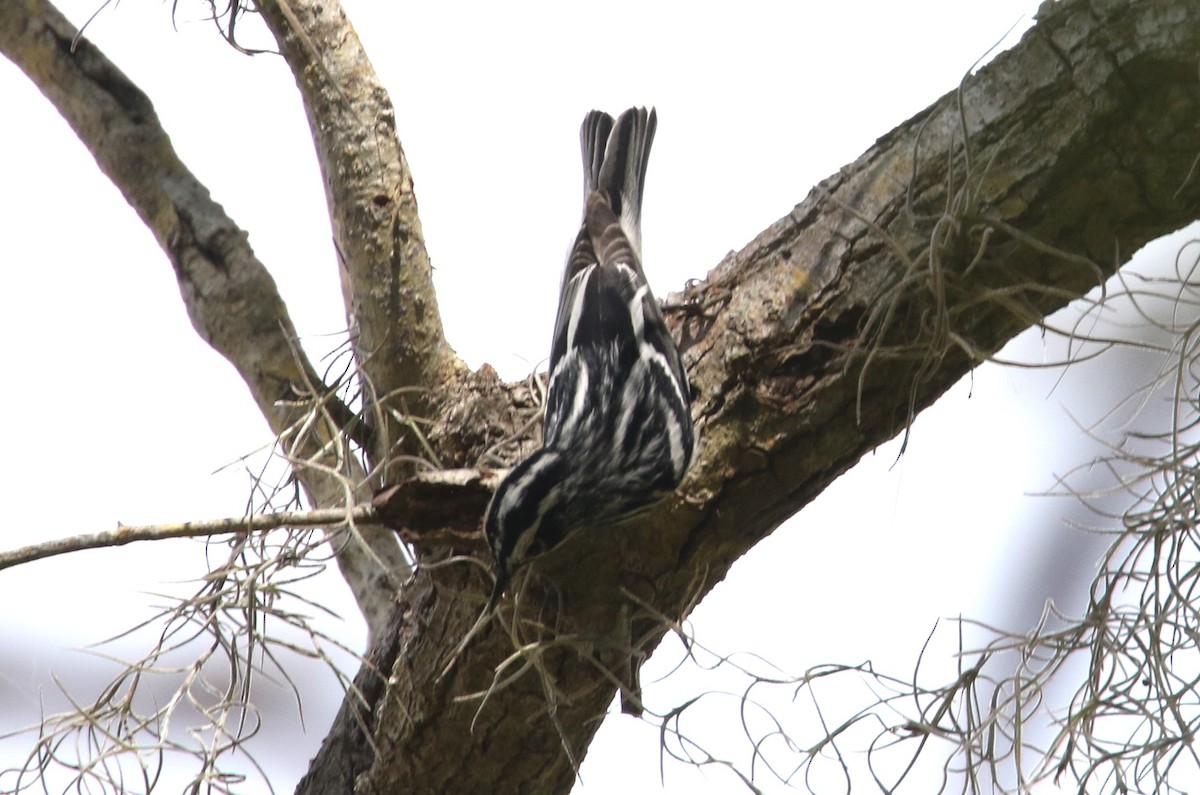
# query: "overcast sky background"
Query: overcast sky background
117,412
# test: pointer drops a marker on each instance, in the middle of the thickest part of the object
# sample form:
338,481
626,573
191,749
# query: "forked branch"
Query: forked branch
230,296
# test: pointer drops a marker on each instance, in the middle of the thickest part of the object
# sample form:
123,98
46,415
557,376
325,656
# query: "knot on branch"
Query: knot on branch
438,509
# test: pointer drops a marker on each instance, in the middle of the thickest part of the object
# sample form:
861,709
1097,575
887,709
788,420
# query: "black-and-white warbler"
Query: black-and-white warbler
617,433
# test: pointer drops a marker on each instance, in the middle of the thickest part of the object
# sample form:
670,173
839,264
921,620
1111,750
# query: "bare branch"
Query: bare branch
387,284
432,509
231,299
127,534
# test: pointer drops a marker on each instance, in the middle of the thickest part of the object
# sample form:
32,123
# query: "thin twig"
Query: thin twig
212,527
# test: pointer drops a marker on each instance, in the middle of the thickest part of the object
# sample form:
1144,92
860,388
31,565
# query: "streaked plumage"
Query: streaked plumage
617,433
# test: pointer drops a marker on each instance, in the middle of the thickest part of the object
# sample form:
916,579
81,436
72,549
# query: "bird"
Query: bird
617,435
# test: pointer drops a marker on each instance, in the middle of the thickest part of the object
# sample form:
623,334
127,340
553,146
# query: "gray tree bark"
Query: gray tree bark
820,340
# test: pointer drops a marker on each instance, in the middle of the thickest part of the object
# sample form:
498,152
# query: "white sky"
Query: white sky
116,411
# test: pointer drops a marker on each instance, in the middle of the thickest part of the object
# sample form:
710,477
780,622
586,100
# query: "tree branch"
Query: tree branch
230,297
127,534
436,508
816,343
388,281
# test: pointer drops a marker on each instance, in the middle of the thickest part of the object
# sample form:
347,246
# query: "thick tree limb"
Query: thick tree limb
230,297
387,282
811,346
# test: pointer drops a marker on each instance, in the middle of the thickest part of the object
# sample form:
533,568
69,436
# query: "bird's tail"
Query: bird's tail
593,139
615,154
